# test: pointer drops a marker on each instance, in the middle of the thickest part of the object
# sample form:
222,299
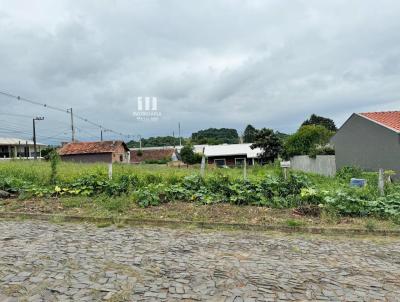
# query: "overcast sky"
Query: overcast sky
209,63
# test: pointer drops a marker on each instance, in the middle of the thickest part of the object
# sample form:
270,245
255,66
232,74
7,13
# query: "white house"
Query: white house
18,148
232,155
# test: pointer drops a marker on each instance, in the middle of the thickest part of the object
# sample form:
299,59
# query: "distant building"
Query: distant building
153,154
19,148
370,141
91,152
232,155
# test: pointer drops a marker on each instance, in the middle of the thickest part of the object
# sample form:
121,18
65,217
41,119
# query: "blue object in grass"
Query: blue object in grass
358,182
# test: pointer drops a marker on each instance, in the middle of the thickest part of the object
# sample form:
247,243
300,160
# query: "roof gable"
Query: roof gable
92,147
388,119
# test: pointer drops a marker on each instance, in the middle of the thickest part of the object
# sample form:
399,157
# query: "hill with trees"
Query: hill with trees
213,136
156,141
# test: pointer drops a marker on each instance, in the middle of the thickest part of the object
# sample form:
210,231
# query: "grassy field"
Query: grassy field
39,172
162,192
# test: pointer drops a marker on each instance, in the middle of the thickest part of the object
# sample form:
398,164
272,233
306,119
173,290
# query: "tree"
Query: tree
213,136
156,141
188,156
306,140
322,121
249,134
270,144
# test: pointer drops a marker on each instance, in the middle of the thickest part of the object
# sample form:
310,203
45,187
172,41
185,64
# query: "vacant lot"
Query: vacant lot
77,262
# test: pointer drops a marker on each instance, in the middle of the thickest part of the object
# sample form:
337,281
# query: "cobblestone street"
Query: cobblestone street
41,261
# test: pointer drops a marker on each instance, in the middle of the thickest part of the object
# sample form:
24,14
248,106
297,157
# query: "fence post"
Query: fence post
381,183
245,169
203,165
110,171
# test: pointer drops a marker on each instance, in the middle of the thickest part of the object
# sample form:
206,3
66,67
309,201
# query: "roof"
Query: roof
5,141
233,149
155,148
196,148
388,119
152,154
91,147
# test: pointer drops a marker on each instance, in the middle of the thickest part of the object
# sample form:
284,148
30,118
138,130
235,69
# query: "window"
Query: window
220,162
239,161
121,158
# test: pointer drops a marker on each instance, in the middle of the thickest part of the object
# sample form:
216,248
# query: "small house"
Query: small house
19,148
232,154
91,152
370,141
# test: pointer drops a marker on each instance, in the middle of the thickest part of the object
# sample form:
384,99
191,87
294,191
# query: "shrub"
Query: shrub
188,155
326,150
54,160
348,172
151,195
306,139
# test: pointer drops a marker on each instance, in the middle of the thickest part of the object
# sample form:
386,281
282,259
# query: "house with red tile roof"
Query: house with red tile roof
369,140
91,152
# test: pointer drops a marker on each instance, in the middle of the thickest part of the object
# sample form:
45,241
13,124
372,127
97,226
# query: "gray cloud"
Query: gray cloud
210,63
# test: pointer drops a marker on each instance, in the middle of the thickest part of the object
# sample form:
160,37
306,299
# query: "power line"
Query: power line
17,97
31,101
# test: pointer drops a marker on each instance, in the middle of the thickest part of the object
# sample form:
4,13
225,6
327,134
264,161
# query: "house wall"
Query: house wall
230,160
88,158
120,153
322,164
14,151
363,143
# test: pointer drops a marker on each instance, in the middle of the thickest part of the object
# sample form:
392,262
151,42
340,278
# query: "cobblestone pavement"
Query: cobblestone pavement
41,261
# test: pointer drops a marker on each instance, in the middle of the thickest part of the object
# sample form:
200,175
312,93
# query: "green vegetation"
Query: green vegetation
213,136
156,141
322,121
54,160
249,134
189,156
151,185
307,140
270,144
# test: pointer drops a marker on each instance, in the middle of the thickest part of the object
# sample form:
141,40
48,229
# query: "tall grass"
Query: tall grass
39,172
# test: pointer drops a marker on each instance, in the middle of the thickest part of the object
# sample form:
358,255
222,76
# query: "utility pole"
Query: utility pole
140,142
72,124
34,135
180,138
101,134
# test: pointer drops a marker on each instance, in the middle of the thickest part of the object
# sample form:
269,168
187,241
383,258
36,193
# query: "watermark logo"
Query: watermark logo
147,109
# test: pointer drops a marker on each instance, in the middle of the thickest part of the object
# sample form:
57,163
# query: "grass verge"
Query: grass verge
122,212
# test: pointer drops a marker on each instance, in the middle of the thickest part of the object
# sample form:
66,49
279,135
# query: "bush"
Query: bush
306,139
326,150
348,172
188,156
157,161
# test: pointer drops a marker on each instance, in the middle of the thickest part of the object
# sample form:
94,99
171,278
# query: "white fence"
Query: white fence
322,164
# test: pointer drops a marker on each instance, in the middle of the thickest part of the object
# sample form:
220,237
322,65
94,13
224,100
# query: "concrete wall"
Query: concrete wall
363,143
322,164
